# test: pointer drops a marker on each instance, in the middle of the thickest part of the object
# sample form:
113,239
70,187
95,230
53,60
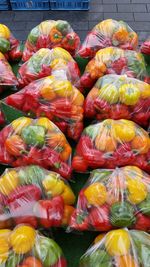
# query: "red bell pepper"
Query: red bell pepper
62,125
119,111
94,158
79,221
71,41
63,169
102,105
79,164
142,223
50,212
61,263
89,108
15,100
119,65
86,81
99,218
74,130
124,155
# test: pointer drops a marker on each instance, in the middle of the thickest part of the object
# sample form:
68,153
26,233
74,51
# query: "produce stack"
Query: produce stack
53,103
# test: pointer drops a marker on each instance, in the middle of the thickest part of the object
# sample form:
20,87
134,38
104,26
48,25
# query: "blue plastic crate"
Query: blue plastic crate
30,4
69,4
4,5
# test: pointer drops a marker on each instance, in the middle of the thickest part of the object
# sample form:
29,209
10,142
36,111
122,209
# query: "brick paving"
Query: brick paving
134,12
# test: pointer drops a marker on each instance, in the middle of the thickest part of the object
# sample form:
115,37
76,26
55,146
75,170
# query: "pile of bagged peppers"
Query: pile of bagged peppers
86,109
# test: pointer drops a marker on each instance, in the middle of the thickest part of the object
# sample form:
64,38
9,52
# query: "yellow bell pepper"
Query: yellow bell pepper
46,123
124,130
68,195
63,88
4,31
96,194
59,52
5,233
20,123
4,250
53,185
23,239
9,182
117,242
137,191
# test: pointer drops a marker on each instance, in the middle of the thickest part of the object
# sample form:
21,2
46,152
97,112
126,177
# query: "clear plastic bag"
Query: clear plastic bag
50,34
119,97
9,45
145,47
26,141
34,196
23,246
108,33
58,100
45,62
113,199
112,60
112,143
119,248
7,77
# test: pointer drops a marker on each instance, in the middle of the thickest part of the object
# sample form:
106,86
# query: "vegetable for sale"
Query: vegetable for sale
50,34
112,143
119,97
112,60
114,199
45,62
25,247
26,141
119,248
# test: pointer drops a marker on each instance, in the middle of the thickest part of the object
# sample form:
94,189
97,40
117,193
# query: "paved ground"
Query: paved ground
135,12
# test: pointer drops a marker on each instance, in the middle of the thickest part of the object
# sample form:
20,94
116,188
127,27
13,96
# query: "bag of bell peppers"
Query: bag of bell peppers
108,33
112,60
50,34
56,99
113,199
119,97
112,143
145,47
118,248
35,141
8,79
9,45
45,62
25,247
35,196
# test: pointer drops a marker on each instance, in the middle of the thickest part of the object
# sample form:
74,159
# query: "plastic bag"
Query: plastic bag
119,248
34,196
26,141
119,97
108,33
9,46
23,246
112,60
145,47
56,99
50,34
112,143
114,199
45,62
7,77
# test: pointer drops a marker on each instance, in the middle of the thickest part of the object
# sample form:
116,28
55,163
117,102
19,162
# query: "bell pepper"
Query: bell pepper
33,35
119,65
4,45
71,41
14,259
61,263
99,218
8,183
63,169
47,251
79,164
15,145
15,100
31,175
79,221
97,258
142,222
55,36
63,27
119,111
50,212
33,135
122,214
31,261
68,211
144,206
74,130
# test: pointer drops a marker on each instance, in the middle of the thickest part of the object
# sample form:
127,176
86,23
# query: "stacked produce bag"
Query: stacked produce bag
51,131
50,34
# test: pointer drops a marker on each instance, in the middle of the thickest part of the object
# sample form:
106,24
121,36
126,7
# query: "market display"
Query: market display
25,247
113,199
119,248
26,141
112,60
119,97
112,143
34,196
50,34
58,100
7,77
9,45
45,62
107,33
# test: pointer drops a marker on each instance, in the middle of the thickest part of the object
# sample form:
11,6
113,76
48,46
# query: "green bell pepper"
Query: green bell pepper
144,206
47,251
31,175
33,135
63,27
13,259
98,258
4,45
122,214
33,35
